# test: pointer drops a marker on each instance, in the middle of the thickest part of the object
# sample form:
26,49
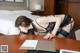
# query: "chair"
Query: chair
74,34
77,33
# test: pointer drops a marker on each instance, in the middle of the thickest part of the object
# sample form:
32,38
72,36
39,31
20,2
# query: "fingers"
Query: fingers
46,37
49,37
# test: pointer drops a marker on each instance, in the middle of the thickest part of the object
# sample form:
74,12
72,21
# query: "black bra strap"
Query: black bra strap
50,27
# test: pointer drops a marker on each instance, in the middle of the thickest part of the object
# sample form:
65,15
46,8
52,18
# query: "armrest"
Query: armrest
72,34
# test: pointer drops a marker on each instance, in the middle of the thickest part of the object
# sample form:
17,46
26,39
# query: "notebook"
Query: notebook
68,51
38,45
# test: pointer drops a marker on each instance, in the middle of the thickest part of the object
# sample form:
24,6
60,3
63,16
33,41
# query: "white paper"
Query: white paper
29,44
4,48
68,51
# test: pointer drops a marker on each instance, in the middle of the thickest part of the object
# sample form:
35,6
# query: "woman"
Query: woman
49,26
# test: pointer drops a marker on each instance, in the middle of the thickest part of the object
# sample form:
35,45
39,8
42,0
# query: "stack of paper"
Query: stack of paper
29,44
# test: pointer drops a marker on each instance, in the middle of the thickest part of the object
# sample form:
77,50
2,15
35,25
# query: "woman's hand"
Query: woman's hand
49,36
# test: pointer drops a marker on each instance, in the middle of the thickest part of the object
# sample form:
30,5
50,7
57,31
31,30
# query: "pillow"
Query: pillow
8,27
4,26
22,11
5,12
16,11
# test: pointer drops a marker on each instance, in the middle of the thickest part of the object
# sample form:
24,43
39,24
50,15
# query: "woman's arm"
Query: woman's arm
54,31
57,25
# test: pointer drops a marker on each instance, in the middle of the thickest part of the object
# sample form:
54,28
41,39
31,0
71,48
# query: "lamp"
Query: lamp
37,7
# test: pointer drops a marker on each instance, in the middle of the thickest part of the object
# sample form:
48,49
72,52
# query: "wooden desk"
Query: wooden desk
14,42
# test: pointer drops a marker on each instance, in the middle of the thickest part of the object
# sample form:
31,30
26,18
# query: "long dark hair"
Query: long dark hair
22,19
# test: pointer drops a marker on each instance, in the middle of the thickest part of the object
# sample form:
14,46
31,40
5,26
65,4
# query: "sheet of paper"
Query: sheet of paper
29,44
68,51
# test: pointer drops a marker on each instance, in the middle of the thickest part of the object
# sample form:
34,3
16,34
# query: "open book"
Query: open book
38,45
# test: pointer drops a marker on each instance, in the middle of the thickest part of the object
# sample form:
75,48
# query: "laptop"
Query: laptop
68,51
39,45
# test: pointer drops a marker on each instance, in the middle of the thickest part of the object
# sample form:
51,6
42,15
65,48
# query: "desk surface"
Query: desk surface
14,42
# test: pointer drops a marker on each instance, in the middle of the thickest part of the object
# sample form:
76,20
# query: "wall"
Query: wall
13,6
27,4
71,7
74,10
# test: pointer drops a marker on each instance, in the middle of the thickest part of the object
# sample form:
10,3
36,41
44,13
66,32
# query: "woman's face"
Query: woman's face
24,29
